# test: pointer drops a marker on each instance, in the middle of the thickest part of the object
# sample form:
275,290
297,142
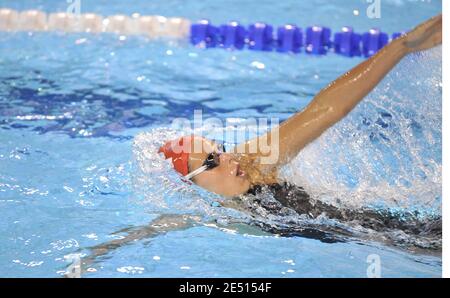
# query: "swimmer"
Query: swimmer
232,175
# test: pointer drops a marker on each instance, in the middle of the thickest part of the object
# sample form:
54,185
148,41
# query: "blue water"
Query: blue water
78,111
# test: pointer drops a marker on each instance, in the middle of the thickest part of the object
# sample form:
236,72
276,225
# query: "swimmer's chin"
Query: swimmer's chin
243,185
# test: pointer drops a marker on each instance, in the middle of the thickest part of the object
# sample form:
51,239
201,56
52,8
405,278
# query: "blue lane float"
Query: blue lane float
289,39
260,37
373,41
232,35
316,40
203,32
347,42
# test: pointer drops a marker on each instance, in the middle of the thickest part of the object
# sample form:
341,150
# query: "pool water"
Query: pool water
80,115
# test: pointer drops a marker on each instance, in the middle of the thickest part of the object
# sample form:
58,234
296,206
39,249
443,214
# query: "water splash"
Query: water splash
388,150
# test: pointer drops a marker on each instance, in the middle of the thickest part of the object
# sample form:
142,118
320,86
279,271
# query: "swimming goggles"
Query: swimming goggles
211,161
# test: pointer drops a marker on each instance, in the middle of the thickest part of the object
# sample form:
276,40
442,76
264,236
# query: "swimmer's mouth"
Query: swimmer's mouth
239,172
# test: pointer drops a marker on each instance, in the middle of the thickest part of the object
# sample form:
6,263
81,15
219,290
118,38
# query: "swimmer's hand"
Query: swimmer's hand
425,36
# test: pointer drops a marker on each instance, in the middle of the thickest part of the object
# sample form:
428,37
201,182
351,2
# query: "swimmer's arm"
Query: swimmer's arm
336,100
161,225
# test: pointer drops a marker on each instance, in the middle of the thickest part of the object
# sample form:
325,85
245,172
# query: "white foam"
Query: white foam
398,165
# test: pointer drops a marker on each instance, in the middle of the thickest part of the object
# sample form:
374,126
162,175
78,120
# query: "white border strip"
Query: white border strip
445,143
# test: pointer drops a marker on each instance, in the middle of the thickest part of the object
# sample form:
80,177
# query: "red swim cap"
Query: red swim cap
178,150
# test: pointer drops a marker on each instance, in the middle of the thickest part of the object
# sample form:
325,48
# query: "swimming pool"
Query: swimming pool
78,113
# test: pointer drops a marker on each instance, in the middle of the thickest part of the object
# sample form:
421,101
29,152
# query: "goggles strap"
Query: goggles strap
196,172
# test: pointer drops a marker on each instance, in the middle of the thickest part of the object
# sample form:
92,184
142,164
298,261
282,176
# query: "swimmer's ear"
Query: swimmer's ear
425,36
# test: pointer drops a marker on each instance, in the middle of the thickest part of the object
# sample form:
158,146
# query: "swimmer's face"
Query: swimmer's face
225,179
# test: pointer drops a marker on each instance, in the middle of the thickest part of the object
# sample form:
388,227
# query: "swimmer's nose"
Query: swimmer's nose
226,159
